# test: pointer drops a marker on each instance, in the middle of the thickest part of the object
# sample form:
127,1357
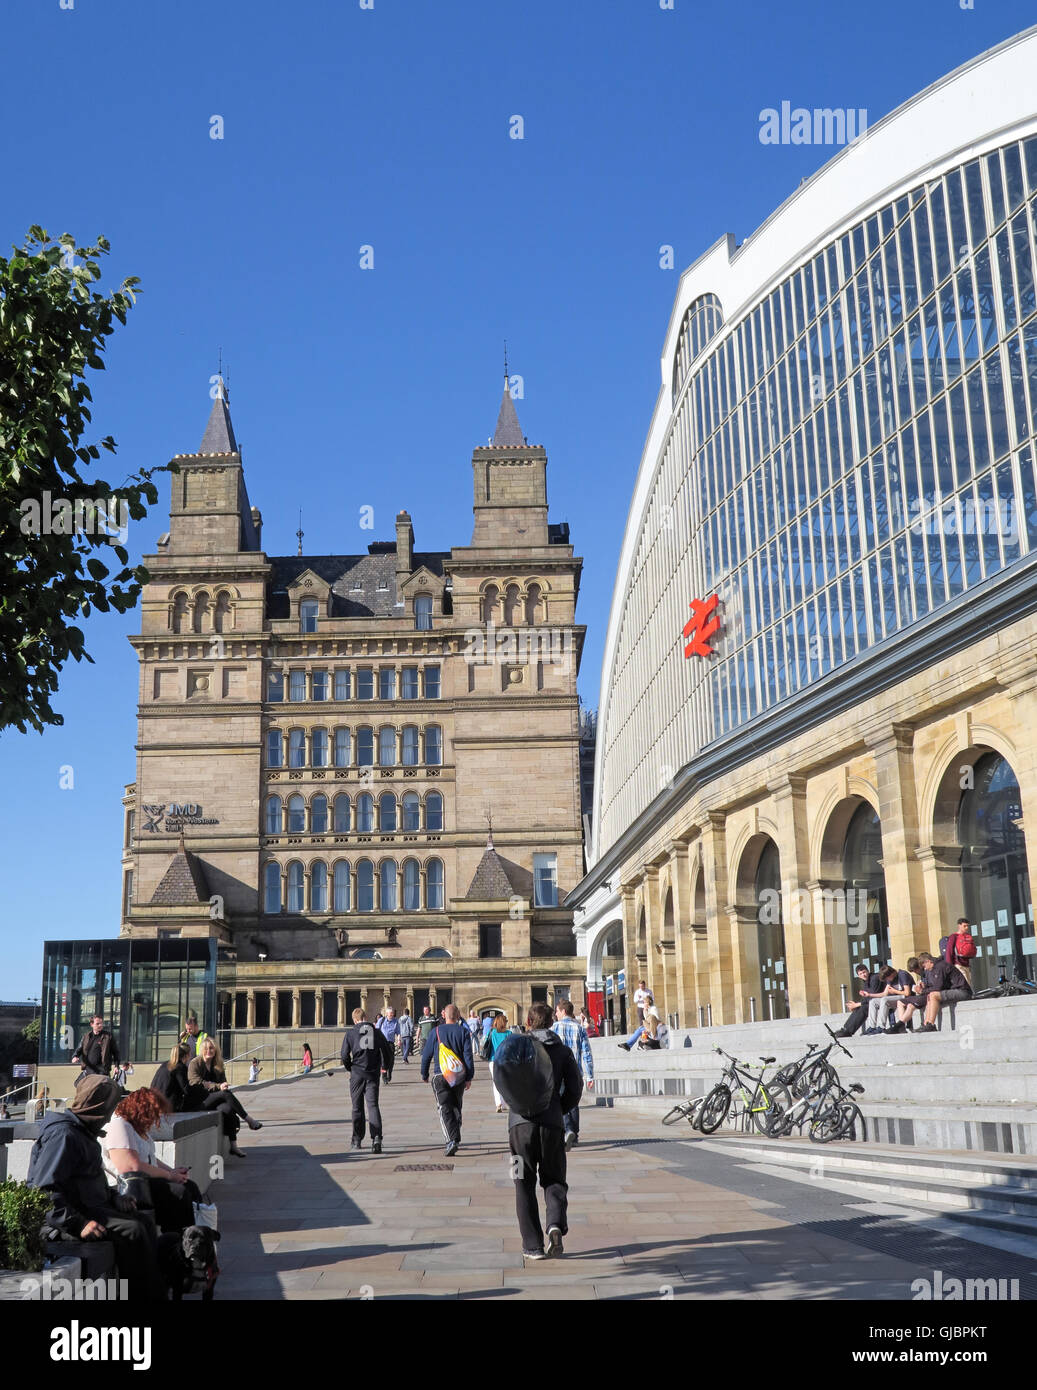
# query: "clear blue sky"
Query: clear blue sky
390,127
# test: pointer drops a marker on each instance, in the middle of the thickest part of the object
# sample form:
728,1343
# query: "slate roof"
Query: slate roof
362,586
183,884
498,879
508,430
219,432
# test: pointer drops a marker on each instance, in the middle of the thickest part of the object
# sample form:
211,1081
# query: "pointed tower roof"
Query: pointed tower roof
508,431
183,884
498,879
219,432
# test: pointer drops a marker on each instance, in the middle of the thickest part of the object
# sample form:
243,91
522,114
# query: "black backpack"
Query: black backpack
523,1074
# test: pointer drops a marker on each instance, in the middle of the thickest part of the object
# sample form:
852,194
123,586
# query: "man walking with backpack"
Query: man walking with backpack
365,1052
447,1060
541,1082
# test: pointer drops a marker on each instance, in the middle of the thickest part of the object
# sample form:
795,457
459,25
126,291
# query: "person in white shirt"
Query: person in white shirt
642,996
128,1152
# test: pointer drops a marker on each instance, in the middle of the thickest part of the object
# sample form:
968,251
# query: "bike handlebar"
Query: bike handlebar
836,1041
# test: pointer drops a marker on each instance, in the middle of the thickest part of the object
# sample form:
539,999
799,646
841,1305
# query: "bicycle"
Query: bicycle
1007,988
841,1120
807,1073
765,1098
829,1105
686,1110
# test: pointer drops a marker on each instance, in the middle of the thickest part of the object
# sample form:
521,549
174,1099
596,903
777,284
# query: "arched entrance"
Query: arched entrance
770,934
611,965
867,925
994,871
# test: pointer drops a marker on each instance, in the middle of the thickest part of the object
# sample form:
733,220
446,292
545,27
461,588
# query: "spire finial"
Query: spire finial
300,532
489,829
505,361
181,848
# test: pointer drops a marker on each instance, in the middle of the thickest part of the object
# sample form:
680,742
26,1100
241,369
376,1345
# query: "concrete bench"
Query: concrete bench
191,1139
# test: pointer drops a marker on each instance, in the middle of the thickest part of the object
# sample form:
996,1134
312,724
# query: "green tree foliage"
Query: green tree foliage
56,523
22,1211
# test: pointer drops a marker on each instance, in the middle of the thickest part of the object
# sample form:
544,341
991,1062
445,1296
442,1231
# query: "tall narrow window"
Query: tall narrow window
272,887
387,874
433,745
297,748
296,884
365,747
489,940
411,886
341,821
308,610
431,674
296,816
365,886
318,886
386,683
409,683
411,811
340,887
341,747
275,686
273,815
386,747
545,880
319,685
297,686
274,748
433,811
319,815
319,748
434,885
342,684
409,746
365,813
387,812
423,613
365,684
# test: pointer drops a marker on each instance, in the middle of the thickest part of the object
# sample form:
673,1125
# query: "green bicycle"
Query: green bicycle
761,1099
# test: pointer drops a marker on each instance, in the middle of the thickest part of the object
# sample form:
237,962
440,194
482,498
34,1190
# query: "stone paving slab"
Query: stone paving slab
303,1217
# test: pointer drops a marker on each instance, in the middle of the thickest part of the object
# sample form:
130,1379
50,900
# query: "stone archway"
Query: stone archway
758,902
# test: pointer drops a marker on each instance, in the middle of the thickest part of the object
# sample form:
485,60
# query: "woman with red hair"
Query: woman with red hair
129,1149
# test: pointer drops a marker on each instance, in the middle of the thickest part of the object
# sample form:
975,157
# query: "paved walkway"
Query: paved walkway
302,1217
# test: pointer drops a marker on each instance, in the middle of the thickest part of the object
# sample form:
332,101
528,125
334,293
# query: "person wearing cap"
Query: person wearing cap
66,1162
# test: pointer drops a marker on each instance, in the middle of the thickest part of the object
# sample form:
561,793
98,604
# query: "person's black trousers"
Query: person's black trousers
448,1100
230,1108
391,1064
136,1258
856,1018
174,1203
363,1087
539,1149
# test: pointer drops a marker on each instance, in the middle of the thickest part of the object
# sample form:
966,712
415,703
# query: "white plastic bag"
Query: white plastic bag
205,1214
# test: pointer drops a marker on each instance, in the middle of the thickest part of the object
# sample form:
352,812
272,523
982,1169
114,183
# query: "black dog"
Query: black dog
189,1262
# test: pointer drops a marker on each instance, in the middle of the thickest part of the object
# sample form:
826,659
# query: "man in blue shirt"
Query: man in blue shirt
575,1038
456,1036
389,1026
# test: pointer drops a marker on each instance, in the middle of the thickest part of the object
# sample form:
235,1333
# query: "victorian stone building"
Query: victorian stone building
358,776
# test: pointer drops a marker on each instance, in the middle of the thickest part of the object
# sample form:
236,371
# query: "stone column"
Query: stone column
318,1008
744,963
721,931
341,1001
909,930
410,1001
433,1001
250,1008
653,971
685,993
801,931
1023,693
296,1012
833,951
273,1008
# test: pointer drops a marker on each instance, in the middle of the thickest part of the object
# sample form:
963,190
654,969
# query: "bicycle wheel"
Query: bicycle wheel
817,1077
778,1101
713,1111
836,1123
684,1111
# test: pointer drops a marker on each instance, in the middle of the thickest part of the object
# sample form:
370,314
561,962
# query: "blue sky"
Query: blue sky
389,127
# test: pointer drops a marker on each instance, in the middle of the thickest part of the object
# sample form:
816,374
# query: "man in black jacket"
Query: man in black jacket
97,1053
365,1052
868,987
942,983
66,1162
456,1036
538,1143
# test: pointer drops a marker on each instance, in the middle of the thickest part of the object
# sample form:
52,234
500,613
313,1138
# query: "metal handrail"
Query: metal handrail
242,1055
29,1086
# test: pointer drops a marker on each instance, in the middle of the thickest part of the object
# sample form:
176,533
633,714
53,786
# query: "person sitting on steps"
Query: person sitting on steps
942,983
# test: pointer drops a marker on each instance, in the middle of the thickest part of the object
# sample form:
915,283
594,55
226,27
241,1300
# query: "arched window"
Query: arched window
411,886
433,745
365,747
179,612
387,812
365,886
366,953
318,886
387,875
319,748
272,887
341,814
341,747
867,932
433,811
436,953
319,814
995,871
340,887
512,605
386,747
423,613
770,933
274,748
409,757
434,885
295,886
411,811
273,815
222,612
296,815
533,604
365,813
296,748
202,613
308,611
489,603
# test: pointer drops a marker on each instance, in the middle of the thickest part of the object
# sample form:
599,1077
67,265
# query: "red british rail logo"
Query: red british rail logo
703,624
